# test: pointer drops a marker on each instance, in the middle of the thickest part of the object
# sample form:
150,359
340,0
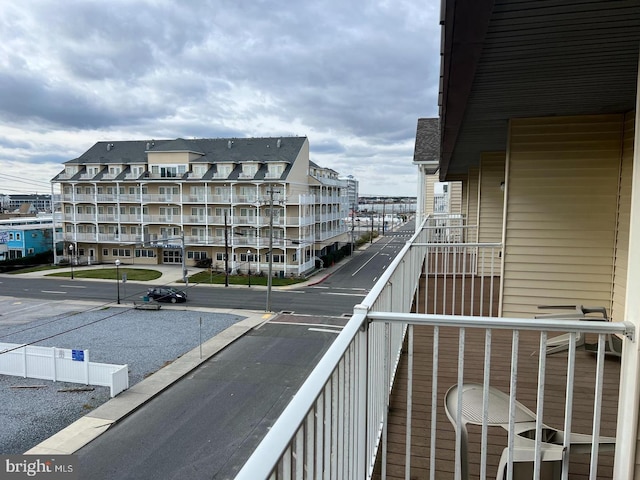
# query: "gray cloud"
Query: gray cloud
353,76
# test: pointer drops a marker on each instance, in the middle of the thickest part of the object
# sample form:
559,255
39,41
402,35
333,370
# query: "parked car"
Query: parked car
167,294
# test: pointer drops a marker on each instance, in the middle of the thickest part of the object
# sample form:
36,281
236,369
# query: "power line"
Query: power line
25,181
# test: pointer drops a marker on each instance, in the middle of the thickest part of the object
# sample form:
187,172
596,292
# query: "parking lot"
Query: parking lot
34,409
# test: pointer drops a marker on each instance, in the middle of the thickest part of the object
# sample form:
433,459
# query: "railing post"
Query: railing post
362,459
626,456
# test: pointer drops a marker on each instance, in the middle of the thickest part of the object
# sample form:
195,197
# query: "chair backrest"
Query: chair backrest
472,413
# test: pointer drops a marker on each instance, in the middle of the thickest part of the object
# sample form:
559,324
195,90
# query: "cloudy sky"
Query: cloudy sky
351,75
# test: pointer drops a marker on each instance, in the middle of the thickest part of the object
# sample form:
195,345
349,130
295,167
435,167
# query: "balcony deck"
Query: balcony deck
500,375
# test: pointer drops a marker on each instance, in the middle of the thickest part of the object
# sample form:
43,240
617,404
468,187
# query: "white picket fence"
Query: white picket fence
61,365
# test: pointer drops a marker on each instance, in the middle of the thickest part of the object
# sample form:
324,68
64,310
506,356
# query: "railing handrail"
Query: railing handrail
276,441
596,326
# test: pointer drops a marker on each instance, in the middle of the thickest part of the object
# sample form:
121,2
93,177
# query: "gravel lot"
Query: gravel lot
145,340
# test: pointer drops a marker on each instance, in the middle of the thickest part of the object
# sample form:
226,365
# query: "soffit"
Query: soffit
530,59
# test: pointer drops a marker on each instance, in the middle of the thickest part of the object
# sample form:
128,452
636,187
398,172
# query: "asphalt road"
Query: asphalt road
207,424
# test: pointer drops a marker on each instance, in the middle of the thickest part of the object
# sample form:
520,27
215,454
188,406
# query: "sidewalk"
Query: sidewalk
172,274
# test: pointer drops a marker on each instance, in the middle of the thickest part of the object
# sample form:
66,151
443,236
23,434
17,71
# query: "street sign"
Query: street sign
77,355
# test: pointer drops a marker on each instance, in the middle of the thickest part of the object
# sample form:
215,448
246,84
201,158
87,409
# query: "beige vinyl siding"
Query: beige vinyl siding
465,199
491,197
624,212
455,197
491,206
473,187
561,212
430,196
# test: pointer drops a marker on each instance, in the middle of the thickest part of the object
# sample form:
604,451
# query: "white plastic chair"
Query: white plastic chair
553,450
560,343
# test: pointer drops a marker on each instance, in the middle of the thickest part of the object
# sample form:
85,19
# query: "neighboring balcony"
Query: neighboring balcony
374,405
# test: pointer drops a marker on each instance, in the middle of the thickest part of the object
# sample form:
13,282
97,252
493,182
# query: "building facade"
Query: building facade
229,200
22,237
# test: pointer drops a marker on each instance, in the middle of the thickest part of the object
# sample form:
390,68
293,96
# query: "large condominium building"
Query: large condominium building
154,201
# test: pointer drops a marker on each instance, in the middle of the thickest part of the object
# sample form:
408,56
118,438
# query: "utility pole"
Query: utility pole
373,212
270,249
384,204
353,213
226,251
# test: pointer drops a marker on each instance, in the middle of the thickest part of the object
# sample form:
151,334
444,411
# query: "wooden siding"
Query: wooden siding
624,214
561,212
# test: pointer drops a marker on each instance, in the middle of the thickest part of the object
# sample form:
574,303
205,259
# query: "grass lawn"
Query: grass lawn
137,274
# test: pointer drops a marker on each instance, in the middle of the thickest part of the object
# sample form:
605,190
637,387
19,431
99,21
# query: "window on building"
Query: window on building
196,255
105,252
145,253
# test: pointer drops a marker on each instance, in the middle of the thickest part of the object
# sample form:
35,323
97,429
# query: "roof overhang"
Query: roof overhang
503,59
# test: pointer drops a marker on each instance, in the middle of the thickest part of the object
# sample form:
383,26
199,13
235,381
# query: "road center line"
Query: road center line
364,264
51,291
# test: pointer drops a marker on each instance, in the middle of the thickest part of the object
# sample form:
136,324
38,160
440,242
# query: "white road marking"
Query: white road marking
304,324
346,294
364,264
73,286
51,291
326,330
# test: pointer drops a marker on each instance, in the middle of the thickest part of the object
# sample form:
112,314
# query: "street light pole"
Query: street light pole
118,278
249,263
185,278
71,259
226,251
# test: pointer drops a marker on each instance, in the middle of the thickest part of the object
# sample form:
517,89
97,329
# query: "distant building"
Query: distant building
35,202
154,201
352,191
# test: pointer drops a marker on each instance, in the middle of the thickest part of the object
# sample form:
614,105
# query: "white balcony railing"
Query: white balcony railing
336,424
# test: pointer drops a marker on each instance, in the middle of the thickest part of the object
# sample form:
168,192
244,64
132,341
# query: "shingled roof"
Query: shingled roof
427,147
212,150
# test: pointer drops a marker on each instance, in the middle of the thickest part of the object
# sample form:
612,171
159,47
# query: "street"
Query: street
208,422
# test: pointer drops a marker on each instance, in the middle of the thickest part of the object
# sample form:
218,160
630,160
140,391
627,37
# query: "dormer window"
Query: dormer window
200,170
249,170
275,170
224,170
137,170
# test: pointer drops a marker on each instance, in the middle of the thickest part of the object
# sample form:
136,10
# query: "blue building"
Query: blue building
22,237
